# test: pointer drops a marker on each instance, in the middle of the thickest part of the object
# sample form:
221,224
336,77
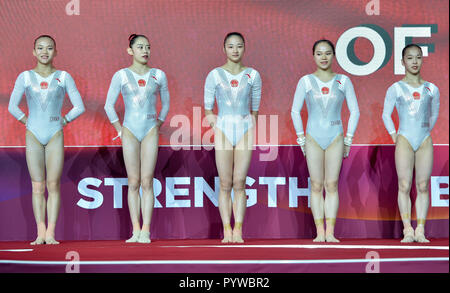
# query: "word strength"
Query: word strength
186,192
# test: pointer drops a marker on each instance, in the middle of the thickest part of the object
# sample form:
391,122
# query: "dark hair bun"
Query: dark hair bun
132,36
324,41
233,34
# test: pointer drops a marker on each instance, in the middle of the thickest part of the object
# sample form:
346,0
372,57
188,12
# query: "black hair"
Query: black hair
323,41
132,39
233,34
44,36
411,46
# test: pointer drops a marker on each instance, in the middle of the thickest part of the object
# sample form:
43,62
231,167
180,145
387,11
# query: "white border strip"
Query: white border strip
334,246
16,250
203,145
219,262
308,246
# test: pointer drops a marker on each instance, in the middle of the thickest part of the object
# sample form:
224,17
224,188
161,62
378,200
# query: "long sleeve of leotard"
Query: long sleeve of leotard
210,91
75,99
256,91
434,107
299,98
16,97
388,108
112,96
352,104
165,97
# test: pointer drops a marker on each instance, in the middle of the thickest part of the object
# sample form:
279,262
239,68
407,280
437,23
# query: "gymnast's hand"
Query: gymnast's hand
346,151
301,140
212,118
394,137
118,128
347,144
159,123
24,120
64,122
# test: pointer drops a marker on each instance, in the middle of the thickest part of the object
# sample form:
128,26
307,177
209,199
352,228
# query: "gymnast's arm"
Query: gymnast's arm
16,97
111,99
256,95
165,98
299,98
434,107
209,98
75,99
352,104
388,108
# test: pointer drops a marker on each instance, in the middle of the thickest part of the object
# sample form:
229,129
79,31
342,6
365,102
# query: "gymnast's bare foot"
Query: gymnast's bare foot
38,241
41,230
319,238
329,233
237,236
330,238
419,235
408,235
144,237
50,240
227,234
135,237
320,234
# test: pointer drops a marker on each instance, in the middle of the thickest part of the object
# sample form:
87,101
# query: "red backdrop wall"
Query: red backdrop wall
186,43
186,39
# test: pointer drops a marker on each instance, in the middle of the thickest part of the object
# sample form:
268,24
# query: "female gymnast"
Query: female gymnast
237,89
324,145
139,85
417,104
45,88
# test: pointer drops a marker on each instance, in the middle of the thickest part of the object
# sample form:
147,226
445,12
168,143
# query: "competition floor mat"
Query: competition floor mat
211,256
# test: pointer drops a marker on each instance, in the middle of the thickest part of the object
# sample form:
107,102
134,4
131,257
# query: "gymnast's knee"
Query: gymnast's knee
316,187
422,187
404,186
38,187
133,184
53,186
331,186
147,184
238,185
226,185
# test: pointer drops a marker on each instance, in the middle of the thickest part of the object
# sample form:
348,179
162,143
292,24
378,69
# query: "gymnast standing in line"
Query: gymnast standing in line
417,104
45,88
139,85
324,144
237,89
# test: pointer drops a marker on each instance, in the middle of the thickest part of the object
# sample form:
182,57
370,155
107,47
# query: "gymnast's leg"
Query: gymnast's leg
404,164
132,157
224,162
315,157
242,159
333,162
424,166
35,156
54,161
149,155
